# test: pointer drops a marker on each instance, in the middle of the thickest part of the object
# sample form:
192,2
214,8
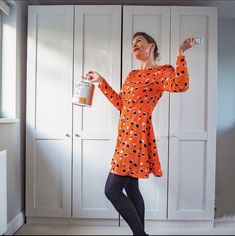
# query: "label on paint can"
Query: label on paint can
83,93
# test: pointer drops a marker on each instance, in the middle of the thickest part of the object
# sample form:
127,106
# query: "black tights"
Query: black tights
130,207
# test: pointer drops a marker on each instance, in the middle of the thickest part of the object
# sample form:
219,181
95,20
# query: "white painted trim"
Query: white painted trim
207,224
15,224
8,120
220,222
225,221
5,8
114,222
71,221
3,191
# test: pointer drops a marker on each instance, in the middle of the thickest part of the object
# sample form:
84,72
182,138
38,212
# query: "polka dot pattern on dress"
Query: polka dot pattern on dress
136,152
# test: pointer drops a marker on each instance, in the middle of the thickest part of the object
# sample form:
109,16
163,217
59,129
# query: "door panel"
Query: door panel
49,111
155,21
97,48
193,118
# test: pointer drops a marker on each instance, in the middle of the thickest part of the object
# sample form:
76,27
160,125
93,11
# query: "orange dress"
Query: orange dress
136,152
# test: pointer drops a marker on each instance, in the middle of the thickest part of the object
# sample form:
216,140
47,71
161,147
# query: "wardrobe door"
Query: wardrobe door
97,48
155,21
49,111
193,118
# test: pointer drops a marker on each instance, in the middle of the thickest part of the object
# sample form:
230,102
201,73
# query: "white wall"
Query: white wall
225,165
12,135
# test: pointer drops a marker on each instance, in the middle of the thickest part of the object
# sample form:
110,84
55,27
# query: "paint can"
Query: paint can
83,93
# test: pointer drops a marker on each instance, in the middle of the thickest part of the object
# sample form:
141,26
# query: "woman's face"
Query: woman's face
141,48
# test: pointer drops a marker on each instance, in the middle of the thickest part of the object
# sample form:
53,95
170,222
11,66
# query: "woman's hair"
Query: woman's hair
150,40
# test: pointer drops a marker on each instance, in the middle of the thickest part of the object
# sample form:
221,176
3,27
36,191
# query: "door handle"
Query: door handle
67,135
77,135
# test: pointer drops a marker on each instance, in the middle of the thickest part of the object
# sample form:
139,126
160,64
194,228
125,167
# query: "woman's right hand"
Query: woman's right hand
93,77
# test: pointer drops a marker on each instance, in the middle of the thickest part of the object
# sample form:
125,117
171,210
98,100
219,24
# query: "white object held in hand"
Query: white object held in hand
199,40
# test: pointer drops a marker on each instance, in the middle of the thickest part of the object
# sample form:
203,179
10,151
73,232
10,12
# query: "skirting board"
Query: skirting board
219,222
15,224
225,221
113,222
71,221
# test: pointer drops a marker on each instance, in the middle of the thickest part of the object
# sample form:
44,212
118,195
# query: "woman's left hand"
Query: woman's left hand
188,43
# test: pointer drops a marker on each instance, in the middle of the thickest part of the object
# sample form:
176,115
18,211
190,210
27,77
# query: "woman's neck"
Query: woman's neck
147,64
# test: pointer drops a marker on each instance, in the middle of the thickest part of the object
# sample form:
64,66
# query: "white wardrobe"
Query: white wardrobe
69,148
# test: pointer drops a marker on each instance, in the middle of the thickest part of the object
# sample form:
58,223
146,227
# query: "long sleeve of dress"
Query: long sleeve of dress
110,93
175,81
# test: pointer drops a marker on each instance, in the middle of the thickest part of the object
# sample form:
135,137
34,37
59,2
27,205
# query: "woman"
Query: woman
136,154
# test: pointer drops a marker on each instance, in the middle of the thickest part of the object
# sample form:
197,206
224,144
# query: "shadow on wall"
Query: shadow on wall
225,174
225,145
